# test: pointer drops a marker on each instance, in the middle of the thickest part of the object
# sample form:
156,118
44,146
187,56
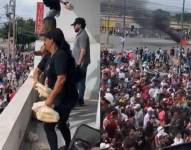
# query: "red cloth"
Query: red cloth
161,115
12,95
145,92
130,55
110,125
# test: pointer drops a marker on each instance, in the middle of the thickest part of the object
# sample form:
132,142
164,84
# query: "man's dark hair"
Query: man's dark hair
83,26
50,23
50,19
80,21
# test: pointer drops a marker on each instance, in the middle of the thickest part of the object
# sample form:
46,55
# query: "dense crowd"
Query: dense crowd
145,98
13,73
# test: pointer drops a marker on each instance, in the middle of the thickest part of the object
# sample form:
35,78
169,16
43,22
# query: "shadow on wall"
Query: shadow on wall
81,7
94,75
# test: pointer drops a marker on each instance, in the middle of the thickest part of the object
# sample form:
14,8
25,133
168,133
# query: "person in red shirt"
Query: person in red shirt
161,116
110,123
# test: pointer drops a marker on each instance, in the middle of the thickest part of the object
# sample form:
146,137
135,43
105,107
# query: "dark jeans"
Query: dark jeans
62,126
82,87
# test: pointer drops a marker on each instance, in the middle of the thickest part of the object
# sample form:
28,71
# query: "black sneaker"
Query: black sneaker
63,148
81,104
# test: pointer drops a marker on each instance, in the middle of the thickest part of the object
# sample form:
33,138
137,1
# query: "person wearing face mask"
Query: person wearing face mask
81,53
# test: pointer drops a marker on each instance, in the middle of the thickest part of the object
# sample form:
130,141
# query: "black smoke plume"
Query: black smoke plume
158,19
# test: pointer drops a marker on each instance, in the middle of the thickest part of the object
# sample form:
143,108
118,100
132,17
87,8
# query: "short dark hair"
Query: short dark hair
50,24
80,21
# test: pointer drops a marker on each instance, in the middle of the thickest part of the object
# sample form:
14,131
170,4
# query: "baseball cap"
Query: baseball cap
79,20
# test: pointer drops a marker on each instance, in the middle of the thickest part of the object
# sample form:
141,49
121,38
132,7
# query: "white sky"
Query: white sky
170,5
24,8
27,8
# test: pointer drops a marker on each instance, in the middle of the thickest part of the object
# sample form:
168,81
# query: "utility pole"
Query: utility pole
124,17
108,23
182,22
182,15
10,13
14,29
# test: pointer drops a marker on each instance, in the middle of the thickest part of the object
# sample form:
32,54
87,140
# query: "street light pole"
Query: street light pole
108,23
11,17
14,29
182,15
124,16
8,14
182,22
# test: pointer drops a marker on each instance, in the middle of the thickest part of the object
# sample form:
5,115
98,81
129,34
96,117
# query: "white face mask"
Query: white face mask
117,70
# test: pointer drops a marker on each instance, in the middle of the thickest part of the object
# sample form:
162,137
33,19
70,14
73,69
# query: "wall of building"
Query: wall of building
90,10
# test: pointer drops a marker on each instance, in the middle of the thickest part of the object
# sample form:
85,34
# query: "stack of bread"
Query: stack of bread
45,113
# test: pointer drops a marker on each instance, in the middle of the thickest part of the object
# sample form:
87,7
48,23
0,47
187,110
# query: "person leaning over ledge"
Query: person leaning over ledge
64,94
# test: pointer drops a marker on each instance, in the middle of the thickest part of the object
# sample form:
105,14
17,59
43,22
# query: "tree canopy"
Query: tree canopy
24,31
186,17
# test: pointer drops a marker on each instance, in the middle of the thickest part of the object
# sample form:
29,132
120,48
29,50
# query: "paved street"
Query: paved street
115,42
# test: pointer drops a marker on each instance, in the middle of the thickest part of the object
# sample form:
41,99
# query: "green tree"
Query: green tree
25,32
187,17
4,31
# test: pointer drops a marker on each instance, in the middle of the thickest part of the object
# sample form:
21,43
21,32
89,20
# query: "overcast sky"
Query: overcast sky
170,5
27,8
24,8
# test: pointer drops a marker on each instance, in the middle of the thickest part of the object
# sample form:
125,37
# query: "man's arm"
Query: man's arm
82,56
83,41
36,74
40,52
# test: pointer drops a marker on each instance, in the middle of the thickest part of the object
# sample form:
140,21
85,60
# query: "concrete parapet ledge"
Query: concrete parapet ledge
15,118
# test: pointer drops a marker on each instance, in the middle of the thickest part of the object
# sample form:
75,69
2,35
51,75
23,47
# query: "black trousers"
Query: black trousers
62,126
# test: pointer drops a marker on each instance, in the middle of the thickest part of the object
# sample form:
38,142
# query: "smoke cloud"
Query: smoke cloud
158,19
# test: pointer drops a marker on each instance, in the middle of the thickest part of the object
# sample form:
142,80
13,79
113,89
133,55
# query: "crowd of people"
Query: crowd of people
13,73
145,98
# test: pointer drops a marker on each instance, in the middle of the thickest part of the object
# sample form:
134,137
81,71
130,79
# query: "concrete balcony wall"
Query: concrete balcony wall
15,118
89,10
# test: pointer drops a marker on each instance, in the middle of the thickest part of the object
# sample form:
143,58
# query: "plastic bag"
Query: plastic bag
45,113
37,105
42,90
